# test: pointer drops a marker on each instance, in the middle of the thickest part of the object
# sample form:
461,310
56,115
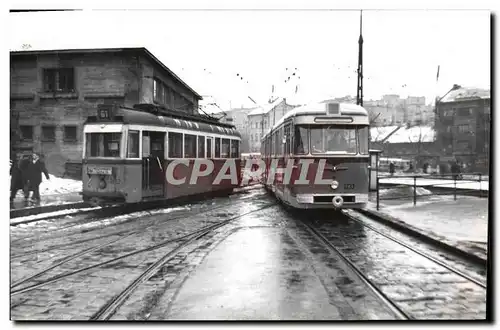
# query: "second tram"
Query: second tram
322,151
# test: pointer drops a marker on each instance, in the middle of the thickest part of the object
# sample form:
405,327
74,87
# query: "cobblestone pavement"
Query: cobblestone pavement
78,296
419,286
264,261
264,268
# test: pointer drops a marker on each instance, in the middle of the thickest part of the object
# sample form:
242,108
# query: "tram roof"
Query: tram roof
319,108
140,117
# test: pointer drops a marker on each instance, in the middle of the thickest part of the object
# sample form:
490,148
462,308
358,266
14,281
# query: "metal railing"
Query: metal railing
443,188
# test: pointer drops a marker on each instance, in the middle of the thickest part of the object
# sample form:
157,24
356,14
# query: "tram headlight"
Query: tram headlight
334,185
102,183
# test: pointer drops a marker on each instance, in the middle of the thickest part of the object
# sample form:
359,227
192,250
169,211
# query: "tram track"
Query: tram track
127,233
418,287
84,230
372,286
197,233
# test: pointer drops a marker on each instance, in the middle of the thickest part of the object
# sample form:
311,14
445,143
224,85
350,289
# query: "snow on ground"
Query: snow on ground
461,220
49,214
59,186
402,192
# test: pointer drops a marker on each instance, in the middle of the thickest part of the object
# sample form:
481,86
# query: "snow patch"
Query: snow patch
57,185
403,192
50,214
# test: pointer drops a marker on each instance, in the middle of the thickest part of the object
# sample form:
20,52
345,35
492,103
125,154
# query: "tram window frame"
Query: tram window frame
234,151
225,150
96,152
201,146
133,154
217,151
173,140
190,145
287,140
277,143
359,131
304,144
209,142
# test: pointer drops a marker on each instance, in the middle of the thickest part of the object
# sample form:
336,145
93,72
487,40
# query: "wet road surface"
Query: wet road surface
263,265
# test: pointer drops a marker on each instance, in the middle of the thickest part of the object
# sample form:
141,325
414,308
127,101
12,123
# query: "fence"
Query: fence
439,184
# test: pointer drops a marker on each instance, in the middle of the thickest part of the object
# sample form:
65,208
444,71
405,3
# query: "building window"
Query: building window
59,80
26,133
174,145
70,133
465,128
48,133
463,112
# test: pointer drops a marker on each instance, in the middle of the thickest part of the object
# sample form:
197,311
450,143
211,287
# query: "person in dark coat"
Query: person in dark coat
34,175
18,170
391,168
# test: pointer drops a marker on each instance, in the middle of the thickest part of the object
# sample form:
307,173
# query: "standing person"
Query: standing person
34,175
16,177
391,168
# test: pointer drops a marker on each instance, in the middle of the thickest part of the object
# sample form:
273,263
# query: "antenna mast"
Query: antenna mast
359,95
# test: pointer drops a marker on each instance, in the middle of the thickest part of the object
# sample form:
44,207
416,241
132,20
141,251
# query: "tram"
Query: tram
322,153
127,153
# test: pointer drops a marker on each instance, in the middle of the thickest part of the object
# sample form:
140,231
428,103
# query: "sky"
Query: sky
230,56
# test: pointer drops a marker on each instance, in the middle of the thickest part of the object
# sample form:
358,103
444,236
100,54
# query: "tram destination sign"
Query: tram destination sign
99,170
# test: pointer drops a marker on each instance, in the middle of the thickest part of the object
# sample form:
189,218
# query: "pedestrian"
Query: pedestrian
34,175
17,179
391,168
426,167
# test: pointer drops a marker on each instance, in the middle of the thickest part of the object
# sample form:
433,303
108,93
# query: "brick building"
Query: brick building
52,92
463,122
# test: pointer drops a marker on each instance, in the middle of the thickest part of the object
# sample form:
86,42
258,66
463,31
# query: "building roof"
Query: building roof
108,50
263,109
403,135
466,93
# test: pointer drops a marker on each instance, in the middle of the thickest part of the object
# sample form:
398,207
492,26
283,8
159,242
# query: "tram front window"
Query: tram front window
333,139
102,144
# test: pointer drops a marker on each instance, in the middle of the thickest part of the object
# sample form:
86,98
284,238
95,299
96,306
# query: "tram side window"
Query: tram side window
174,145
209,147
189,146
217,148
272,144
103,144
201,147
133,144
363,140
301,140
287,140
235,148
225,148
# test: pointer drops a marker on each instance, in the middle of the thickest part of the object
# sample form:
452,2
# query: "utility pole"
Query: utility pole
359,95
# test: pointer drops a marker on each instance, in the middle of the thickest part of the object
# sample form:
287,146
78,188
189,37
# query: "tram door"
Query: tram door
153,173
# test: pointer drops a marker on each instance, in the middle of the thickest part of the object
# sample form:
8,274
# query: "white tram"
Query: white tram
322,149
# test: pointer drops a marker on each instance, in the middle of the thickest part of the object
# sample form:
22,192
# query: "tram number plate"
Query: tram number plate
349,186
100,170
